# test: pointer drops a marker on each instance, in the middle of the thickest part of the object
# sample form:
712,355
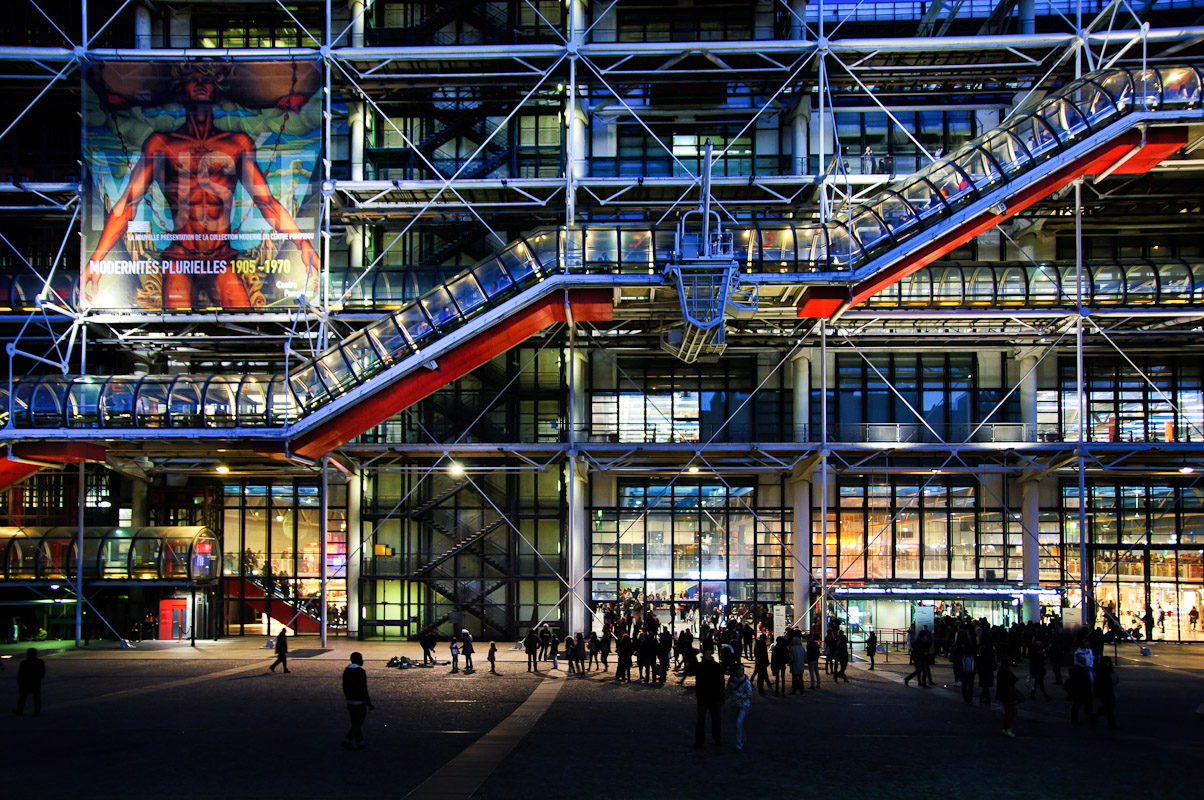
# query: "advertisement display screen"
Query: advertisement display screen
203,184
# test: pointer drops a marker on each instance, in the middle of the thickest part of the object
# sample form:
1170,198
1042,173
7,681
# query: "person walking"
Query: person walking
968,674
593,646
798,667
779,659
871,648
708,691
840,646
813,662
739,696
919,655
531,645
281,651
761,662
1105,690
355,692
467,649
491,657
1008,695
1036,671
570,654
984,665
29,682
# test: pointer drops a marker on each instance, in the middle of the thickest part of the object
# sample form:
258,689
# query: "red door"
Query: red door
173,618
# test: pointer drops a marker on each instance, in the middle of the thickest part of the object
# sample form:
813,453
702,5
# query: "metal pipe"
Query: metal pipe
323,538
79,557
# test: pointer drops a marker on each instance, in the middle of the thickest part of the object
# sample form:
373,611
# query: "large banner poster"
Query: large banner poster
203,184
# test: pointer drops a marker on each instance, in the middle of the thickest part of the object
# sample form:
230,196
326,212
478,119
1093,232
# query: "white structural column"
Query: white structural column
1030,550
142,27
575,115
138,490
355,551
801,365
1030,513
800,493
578,486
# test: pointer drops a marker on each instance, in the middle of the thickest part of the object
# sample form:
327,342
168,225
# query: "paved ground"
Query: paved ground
167,720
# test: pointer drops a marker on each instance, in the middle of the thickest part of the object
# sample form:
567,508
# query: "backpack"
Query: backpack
968,664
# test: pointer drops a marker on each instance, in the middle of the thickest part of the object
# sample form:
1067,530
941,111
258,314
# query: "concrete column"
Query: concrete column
356,7
355,248
801,563
355,124
138,515
142,27
1027,17
179,28
578,547
802,398
799,7
1028,395
355,546
1030,550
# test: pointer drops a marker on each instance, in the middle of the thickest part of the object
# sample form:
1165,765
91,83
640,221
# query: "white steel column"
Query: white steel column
576,475
1030,545
355,550
801,364
79,557
575,146
1028,395
356,7
142,27
800,489
578,547
323,538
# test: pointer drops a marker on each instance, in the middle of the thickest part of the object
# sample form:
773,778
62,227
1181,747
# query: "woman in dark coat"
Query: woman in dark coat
779,657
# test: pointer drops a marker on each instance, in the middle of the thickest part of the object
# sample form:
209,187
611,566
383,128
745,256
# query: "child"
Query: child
492,658
455,654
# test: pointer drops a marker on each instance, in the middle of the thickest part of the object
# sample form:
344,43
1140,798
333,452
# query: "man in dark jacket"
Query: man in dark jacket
29,682
281,651
920,648
709,686
355,690
531,645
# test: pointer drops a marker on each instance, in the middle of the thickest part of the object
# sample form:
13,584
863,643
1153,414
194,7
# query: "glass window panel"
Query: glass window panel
439,307
467,294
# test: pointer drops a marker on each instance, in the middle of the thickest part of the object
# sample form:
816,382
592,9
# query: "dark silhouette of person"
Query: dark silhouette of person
281,651
355,692
531,645
467,649
29,682
709,689
428,642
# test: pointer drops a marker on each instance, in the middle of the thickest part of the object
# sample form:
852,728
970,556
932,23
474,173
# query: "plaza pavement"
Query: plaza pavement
167,720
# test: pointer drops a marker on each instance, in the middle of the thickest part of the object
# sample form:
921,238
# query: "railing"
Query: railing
854,237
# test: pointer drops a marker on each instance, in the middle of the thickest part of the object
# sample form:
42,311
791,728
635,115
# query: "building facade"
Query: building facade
488,314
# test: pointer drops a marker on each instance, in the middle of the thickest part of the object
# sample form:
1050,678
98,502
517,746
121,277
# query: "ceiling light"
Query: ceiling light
693,470
1187,470
455,469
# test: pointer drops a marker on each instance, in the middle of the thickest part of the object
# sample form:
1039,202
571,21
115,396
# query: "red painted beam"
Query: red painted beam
12,472
821,302
1160,143
587,305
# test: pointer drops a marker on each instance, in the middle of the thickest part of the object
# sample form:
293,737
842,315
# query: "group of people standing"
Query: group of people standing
986,654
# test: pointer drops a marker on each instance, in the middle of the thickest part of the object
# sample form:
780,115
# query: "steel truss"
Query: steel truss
604,78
